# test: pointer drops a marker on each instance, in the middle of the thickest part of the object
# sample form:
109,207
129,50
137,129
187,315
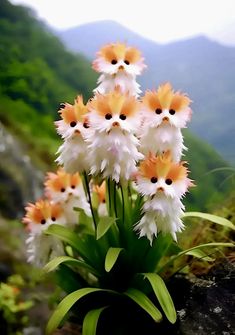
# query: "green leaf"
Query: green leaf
104,224
54,263
65,305
162,295
145,303
212,218
214,244
111,257
90,321
68,236
200,254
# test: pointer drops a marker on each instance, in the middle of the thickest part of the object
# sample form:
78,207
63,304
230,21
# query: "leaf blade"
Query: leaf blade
111,258
145,303
211,217
104,224
162,295
65,305
54,263
90,321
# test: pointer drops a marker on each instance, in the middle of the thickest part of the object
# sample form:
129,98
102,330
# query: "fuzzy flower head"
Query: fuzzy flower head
62,186
73,121
114,112
163,177
41,215
117,57
166,107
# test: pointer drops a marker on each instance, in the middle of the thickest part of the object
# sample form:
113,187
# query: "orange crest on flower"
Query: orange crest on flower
40,211
165,98
73,113
100,191
118,51
114,103
162,166
60,180
57,181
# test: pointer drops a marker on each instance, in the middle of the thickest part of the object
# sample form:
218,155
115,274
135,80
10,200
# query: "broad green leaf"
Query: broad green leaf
54,263
104,224
212,218
90,321
214,244
200,254
68,236
66,304
111,257
145,303
162,295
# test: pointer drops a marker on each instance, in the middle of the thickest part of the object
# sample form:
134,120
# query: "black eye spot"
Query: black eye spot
172,111
122,117
103,201
43,221
62,189
53,218
126,62
73,186
73,124
158,111
85,125
108,116
168,181
154,180
114,61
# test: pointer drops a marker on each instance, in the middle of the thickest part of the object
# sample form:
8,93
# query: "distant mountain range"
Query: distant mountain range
199,66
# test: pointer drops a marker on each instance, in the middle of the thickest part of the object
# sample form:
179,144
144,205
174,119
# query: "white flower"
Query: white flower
67,190
164,113
73,128
119,66
163,183
114,117
39,216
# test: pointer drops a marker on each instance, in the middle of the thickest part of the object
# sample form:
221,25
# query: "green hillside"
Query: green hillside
36,75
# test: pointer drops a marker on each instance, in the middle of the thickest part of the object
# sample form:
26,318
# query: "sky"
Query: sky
160,20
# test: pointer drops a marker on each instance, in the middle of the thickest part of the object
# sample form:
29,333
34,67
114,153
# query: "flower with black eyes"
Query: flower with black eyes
108,116
158,110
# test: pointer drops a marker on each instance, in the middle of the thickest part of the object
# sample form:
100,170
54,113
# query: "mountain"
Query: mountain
199,66
36,74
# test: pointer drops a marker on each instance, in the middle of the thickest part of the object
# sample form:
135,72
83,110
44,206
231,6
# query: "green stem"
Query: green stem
89,197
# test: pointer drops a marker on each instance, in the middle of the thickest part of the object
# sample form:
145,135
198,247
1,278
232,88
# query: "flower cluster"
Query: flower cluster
134,142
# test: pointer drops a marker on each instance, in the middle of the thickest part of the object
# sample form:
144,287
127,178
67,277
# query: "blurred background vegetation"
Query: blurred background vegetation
37,73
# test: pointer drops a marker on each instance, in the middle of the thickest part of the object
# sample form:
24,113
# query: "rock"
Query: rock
205,305
20,180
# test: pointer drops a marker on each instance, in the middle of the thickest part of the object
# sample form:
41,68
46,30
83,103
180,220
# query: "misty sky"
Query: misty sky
161,21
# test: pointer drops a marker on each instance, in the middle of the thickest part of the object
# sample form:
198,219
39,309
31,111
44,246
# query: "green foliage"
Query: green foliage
119,266
35,72
12,306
